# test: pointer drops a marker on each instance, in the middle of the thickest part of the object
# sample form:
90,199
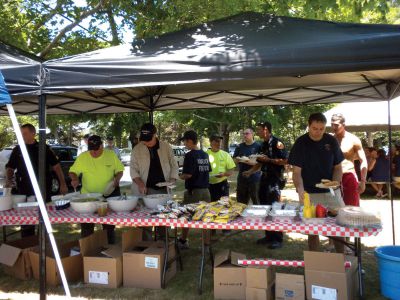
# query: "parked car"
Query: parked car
232,148
66,155
4,157
179,154
126,156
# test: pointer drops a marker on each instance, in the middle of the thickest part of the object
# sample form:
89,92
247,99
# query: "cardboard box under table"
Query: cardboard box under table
143,264
327,278
102,263
289,287
229,276
71,260
260,282
14,256
261,294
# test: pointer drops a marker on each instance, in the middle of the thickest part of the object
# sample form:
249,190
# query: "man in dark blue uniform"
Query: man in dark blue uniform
272,164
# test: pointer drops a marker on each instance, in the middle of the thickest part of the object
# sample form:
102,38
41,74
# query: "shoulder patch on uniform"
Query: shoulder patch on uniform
280,145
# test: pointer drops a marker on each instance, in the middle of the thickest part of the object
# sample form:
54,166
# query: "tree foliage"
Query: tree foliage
58,28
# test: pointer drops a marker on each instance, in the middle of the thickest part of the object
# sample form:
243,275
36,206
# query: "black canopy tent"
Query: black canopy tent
22,70
247,60
250,59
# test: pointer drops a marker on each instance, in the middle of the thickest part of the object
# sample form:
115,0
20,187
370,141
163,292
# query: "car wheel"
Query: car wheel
55,186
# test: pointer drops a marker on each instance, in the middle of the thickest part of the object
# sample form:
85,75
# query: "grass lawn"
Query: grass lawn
184,284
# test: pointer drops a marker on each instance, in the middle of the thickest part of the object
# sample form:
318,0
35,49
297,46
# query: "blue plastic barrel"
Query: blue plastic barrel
389,270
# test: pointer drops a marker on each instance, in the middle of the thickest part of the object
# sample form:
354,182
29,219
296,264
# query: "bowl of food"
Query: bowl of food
122,203
6,203
151,201
18,198
84,205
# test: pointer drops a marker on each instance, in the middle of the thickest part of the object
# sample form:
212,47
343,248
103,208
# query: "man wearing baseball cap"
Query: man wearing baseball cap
98,167
152,162
196,168
222,166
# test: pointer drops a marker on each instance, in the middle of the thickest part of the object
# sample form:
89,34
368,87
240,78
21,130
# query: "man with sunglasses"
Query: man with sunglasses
247,187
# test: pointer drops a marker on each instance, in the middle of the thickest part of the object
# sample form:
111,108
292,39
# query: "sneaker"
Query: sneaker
384,195
263,241
275,245
183,244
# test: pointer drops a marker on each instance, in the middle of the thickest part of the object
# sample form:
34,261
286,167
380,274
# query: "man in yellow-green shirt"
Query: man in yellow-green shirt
222,166
98,167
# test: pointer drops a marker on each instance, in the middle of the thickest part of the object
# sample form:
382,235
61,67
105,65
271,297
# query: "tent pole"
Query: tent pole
42,185
390,173
151,112
151,117
39,197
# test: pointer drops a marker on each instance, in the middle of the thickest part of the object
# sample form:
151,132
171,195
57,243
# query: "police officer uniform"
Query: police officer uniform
272,182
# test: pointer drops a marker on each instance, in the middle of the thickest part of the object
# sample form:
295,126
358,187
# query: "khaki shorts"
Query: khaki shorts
328,200
196,195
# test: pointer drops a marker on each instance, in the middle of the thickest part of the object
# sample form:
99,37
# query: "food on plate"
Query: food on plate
326,184
331,183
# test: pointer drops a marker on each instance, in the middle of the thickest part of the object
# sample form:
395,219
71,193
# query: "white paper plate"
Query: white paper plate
323,186
166,183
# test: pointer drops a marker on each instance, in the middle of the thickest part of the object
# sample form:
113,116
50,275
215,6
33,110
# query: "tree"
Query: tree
63,27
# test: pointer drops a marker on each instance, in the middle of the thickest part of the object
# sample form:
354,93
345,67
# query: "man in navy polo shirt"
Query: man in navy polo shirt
247,187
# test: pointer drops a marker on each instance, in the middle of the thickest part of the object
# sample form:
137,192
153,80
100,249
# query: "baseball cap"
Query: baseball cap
147,131
338,119
94,142
189,135
265,124
215,137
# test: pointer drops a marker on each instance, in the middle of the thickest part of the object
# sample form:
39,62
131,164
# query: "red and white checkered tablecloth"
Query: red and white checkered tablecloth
143,218
278,262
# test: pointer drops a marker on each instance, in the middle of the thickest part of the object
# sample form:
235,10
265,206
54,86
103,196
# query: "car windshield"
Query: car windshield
126,151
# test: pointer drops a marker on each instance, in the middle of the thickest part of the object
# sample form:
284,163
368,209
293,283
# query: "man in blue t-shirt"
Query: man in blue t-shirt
316,155
247,187
196,169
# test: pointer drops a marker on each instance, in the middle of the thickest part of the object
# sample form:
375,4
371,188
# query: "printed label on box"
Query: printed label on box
151,262
323,293
289,293
98,277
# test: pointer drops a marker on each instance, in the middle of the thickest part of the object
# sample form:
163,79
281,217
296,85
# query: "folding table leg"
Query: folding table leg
357,242
166,258
203,260
177,250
